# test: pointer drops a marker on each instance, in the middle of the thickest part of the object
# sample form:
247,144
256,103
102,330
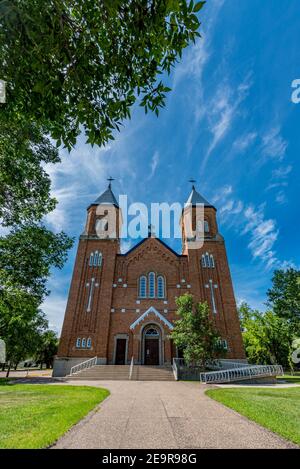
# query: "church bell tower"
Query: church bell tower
88,309
207,258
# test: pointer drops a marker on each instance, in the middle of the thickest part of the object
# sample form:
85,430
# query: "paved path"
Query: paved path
143,414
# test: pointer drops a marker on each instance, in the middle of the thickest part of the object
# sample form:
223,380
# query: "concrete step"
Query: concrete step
121,372
152,373
103,372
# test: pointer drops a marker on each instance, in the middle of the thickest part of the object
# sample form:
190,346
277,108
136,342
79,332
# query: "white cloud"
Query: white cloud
281,198
153,164
222,110
251,221
273,144
279,181
245,141
54,306
282,172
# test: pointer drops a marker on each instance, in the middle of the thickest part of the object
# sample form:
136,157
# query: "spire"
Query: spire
196,198
107,197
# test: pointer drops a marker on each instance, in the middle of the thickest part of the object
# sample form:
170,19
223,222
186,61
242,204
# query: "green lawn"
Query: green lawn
295,378
35,415
276,409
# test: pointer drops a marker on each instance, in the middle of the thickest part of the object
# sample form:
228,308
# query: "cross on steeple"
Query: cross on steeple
192,181
110,179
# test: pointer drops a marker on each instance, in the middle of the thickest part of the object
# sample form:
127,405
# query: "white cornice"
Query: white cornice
156,313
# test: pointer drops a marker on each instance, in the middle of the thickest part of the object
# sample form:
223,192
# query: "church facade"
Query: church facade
122,306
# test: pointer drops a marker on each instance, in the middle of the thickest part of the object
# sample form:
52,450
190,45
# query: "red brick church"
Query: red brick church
123,305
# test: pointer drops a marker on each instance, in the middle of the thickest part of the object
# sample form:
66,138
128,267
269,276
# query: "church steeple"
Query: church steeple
196,198
198,221
104,219
107,197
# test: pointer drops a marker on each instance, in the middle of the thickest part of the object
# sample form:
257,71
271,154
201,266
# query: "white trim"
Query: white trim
156,313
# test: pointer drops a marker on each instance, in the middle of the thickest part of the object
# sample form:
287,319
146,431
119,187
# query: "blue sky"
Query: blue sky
230,124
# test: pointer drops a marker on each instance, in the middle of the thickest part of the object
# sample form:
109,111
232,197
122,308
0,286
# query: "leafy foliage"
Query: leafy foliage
267,337
194,332
284,296
21,324
24,184
73,63
27,255
47,348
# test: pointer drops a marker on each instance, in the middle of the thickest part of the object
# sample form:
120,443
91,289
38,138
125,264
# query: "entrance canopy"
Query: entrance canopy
147,313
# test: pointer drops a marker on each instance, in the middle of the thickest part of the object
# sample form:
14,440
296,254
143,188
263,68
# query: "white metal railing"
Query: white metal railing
242,373
131,368
177,362
83,366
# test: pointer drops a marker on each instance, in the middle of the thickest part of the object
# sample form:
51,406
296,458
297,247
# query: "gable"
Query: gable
154,312
151,248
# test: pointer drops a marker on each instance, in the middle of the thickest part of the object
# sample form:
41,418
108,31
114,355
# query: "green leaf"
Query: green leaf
198,6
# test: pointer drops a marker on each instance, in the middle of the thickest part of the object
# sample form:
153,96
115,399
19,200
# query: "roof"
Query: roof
157,239
107,198
196,198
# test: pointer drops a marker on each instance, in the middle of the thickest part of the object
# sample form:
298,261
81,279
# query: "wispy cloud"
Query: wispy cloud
153,164
281,197
273,144
192,68
222,110
250,221
279,180
245,141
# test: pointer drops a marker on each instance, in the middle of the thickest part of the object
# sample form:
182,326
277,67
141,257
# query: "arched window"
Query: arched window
83,343
100,259
160,286
78,342
95,259
143,286
151,278
152,332
89,343
203,261
212,261
206,226
96,256
207,260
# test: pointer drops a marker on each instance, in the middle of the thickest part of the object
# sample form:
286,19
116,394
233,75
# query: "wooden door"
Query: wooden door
151,351
120,352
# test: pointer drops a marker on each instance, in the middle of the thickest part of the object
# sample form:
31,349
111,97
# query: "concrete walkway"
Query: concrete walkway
145,414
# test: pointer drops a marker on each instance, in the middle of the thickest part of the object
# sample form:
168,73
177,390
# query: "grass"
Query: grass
295,378
36,415
275,409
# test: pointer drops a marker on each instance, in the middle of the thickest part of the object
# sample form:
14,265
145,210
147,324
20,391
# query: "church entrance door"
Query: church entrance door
120,352
151,344
151,352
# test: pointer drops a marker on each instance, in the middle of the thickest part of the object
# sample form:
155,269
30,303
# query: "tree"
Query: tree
47,348
79,63
24,184
194,332
284,296
27,255
267,337
21,324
